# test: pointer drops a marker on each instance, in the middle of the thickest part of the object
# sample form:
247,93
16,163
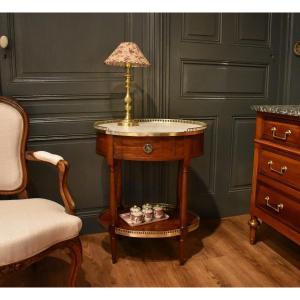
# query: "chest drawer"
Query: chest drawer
282,132
278,205
280,167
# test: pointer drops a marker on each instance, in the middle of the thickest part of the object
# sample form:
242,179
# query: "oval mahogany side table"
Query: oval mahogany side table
152,140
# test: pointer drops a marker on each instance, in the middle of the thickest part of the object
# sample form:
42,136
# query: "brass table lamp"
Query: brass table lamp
127,55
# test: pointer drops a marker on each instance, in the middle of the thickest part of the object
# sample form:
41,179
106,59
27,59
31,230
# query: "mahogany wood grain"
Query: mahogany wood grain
179,183
63,171
282,125
196,143
75,249
23,194
101,144
288,214
276,147
119,183
166,148
183,209
280,160
280,188
132,148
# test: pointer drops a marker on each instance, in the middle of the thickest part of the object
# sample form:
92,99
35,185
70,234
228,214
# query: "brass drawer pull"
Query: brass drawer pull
277,208
148,148
284,137
282,169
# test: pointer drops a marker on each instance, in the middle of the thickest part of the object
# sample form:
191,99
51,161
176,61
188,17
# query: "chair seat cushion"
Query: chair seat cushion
30,226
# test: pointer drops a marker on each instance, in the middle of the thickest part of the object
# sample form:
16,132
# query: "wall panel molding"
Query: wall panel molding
210,158
253,30
108,105
207,29
21,75
77,64
166,42
242,148
203,79
63,128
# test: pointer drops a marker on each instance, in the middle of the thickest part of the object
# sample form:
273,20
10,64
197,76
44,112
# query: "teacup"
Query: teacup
148,214
158,211
134,209
146,206
137,217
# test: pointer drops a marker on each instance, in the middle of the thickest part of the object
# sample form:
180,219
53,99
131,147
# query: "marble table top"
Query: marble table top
152,127
291,110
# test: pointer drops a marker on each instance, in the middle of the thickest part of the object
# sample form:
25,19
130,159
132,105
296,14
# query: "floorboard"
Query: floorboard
219,256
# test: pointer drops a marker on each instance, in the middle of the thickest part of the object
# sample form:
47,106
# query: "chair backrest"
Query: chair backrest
13,139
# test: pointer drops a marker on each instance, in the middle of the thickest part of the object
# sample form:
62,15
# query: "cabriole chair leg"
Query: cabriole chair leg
76,255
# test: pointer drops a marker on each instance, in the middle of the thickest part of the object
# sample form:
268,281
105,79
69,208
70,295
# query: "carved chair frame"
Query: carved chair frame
74,244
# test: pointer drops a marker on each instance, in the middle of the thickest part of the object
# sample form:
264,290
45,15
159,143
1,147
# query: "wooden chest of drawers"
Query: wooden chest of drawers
275,197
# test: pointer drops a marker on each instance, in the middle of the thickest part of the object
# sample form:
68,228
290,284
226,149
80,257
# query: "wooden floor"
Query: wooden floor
220,256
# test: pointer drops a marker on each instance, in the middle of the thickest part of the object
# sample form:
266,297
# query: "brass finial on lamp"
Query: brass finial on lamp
127,55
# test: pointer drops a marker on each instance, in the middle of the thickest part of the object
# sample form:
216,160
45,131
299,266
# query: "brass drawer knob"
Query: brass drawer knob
284,137
282,170
277,207
148,148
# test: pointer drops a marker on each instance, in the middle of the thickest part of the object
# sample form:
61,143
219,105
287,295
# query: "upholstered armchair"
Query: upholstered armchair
31,228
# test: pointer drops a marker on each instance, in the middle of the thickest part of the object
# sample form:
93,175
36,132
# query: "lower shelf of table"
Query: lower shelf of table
161,229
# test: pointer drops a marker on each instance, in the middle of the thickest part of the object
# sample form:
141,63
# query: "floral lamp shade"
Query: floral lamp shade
127,53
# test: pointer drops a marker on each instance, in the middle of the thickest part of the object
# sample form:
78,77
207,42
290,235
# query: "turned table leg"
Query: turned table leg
113,212
253,223
179,184
183,210
119,183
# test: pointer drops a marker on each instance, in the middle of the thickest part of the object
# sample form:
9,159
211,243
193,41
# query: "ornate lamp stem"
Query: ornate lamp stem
128,121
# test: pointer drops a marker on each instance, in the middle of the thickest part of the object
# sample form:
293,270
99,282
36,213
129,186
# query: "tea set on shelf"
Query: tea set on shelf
147,214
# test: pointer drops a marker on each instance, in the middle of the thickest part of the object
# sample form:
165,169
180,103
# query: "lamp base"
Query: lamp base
128,123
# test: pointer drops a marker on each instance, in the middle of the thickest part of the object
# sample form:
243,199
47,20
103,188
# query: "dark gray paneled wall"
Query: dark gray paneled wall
54,67
210,67
291,87
220,65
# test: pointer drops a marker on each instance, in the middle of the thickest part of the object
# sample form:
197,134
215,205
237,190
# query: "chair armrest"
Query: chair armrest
43,156
63,169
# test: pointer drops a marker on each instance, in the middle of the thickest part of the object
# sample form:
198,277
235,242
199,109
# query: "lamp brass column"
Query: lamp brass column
127,55
128,121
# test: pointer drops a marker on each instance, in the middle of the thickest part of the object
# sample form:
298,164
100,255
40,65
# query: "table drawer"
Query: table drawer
282,132
280,167
148,148
278,205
